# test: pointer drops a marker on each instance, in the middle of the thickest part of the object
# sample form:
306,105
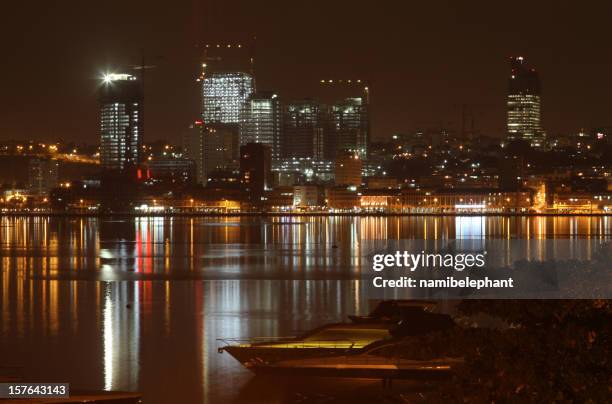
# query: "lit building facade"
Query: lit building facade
302,130
342,198
306,196
121,121
290,171
224,95
261,121
466,201
212,147
524,103
348,128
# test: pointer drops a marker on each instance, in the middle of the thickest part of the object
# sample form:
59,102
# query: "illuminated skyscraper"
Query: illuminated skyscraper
524,103
261,121
302,135
224,95
348,128
121,125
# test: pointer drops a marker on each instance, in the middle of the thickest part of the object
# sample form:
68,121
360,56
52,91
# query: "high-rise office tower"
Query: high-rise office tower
221,148
348,128
261,121
193,148
121,121
212,147
524,103
256,170
302,135
224,95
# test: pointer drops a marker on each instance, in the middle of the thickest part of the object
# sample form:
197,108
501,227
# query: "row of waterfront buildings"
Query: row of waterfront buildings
252,188
45,187
251,150
304,136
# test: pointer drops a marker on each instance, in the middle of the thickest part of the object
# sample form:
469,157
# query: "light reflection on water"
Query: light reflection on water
139,304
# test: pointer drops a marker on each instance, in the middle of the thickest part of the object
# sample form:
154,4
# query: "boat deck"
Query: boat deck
338,336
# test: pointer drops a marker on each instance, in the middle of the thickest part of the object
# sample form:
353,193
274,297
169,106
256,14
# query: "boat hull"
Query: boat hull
363,366
251,357
355,372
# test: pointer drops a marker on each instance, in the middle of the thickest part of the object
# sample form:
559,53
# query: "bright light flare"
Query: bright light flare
108,78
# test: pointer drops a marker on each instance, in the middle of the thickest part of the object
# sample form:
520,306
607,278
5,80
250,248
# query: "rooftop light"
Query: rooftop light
110,77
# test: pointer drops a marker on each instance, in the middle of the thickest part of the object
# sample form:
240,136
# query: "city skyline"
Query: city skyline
422,74
295,202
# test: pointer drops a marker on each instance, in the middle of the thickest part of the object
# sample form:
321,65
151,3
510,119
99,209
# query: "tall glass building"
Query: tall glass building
524,103
302,130
223,96
349,127
121,125
261,121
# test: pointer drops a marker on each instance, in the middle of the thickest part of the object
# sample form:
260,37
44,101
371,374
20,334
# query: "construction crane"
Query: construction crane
143,67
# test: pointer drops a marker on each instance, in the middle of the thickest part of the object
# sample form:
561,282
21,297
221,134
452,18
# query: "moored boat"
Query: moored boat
329,339
388,320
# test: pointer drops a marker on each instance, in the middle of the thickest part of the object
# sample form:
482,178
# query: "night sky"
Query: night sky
424,59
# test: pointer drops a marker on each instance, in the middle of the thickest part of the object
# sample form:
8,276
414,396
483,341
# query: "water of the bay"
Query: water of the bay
140,304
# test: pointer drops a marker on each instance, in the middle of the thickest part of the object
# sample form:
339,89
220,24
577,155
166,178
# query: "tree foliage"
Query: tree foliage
550,351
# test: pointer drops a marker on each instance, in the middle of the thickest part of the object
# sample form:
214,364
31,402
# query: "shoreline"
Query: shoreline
295,214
